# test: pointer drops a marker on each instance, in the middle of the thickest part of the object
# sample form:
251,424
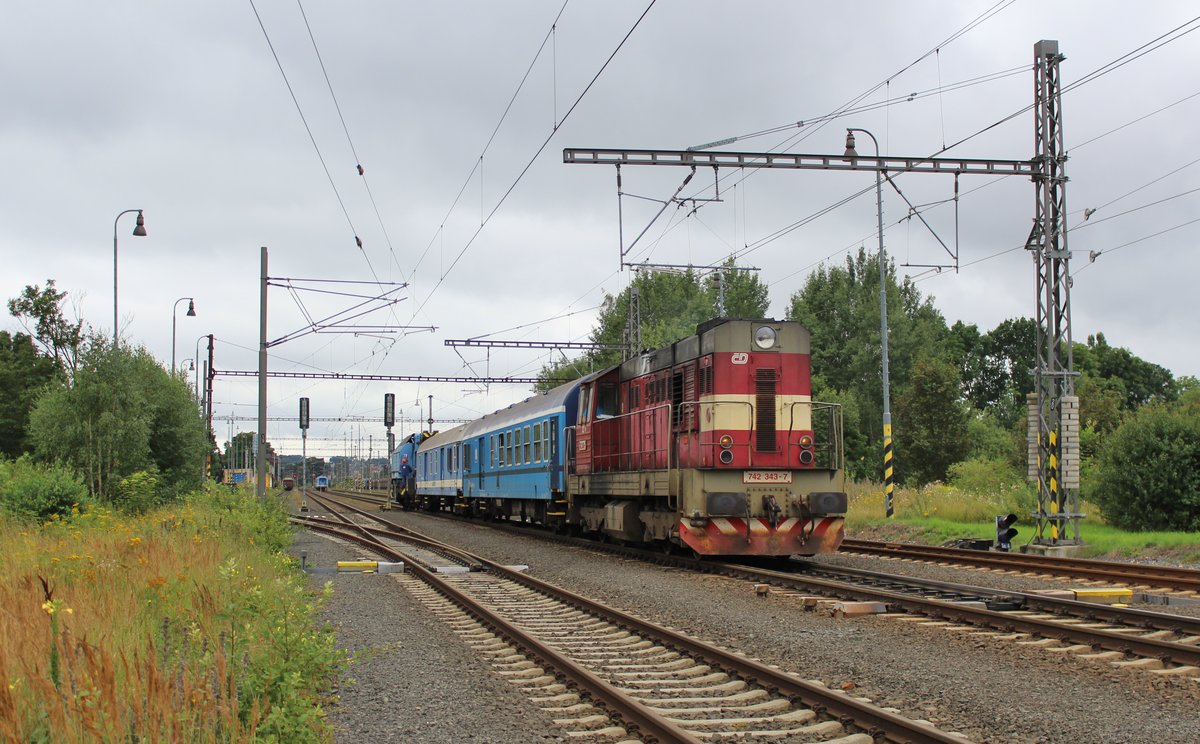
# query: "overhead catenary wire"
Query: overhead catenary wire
312,138
478,162
353,151
529,164
1152,45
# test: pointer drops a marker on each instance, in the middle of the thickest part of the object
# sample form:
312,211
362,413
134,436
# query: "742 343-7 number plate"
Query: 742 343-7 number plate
766,476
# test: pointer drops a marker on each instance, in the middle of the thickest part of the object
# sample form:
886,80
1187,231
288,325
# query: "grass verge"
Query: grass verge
184,624
938,513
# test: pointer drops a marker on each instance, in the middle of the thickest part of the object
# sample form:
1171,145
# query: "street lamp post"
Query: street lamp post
883,324
140,231
191,313
191,365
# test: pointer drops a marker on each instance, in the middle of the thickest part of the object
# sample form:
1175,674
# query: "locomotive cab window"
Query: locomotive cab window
585,404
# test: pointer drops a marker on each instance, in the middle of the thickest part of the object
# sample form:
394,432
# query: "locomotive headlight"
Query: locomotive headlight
806,440
764,337
726,441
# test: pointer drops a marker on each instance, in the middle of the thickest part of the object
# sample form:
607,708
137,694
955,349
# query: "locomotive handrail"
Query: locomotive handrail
834,441
628,460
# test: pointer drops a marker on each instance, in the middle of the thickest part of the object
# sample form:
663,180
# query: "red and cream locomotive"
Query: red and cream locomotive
713,443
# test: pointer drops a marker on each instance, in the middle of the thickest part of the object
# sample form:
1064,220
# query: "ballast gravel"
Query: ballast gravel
421,684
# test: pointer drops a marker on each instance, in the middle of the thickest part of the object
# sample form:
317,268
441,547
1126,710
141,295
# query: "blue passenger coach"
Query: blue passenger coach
506,464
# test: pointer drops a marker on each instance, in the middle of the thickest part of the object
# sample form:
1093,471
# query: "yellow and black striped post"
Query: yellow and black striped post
888,507
1052,483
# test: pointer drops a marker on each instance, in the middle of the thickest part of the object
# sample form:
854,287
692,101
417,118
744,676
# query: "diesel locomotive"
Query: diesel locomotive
712,444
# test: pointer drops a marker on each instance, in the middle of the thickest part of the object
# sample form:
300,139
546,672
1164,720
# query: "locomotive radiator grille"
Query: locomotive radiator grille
764,410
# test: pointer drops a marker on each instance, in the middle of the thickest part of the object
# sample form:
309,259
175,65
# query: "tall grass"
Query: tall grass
183,624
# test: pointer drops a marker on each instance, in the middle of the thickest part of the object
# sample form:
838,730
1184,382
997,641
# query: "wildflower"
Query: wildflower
134,542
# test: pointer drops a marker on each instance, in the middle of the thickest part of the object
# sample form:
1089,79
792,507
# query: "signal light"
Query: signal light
806,457
726,456
1005,531
726,441
806,440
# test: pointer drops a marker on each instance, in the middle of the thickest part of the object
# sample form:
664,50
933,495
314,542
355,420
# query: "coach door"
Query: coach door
479,460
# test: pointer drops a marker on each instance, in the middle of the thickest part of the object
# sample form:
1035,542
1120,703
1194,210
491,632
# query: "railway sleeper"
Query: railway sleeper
769,706
737,697
678,672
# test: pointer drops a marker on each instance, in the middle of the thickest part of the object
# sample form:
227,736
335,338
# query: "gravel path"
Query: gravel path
989,690
412,680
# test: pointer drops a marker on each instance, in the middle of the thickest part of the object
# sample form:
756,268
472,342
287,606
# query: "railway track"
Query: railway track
606,674
1162,643
1130,574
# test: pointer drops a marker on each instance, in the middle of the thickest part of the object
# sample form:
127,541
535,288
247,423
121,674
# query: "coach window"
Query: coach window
537,442
492,451
500,449
527,444
508,448
546,439
517,453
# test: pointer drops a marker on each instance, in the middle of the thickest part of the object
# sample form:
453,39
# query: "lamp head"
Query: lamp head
850,151
191,366
140,229
191,308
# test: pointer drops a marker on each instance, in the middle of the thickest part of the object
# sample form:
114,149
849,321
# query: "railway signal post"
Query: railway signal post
304,454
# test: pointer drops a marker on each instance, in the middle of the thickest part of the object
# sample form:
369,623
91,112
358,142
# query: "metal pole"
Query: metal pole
260,463
888,504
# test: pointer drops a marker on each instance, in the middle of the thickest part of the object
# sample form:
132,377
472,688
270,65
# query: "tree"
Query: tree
840,307
24,373
121,414
932,423
1142,381
240,453
671,305
59,338
1148,470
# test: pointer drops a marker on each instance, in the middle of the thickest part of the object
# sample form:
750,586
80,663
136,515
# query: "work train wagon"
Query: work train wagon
713,443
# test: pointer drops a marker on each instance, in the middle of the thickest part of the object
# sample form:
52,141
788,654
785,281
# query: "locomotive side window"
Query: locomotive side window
606,400
677,397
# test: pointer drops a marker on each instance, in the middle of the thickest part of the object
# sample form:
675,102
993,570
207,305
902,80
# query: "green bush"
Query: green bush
137,492
30,490
1147,474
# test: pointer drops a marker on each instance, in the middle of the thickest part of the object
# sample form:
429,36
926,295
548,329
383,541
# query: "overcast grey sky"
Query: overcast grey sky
179,109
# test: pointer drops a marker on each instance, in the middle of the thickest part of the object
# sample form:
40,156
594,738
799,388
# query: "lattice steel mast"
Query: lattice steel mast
1053,407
